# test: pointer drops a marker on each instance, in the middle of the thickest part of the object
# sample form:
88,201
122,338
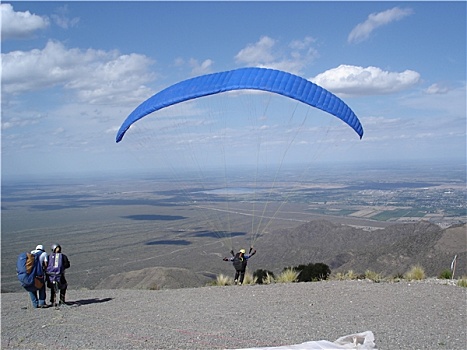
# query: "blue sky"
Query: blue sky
73,71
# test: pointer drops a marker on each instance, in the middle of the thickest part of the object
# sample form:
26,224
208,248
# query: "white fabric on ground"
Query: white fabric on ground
360,341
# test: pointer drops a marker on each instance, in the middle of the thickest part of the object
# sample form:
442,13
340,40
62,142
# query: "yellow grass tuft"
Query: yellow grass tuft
416,273
373,276
223,280
269,279
351,275
288,276
249,278
462,282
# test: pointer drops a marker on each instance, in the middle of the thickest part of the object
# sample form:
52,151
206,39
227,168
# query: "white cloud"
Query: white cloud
96,76
449,103
200,68
435,89
266,53
363,30
259,52
16,25
25,120
355,80
61,18
179,62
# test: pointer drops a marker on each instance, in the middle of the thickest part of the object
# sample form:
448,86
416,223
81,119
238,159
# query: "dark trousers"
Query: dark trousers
62,295
241,274
62,286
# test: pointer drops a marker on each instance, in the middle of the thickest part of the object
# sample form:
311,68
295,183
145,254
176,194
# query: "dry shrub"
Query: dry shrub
416,273
373,276
287,276
269,279
462,282
351,275
223,280
249,278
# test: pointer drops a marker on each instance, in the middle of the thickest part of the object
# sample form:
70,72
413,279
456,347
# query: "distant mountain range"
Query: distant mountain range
390,251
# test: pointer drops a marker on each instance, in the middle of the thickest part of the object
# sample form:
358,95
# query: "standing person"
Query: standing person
58,262
240,261
43,259
31,276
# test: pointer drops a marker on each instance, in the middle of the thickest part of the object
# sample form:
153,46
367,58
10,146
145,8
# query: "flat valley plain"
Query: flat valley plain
107,225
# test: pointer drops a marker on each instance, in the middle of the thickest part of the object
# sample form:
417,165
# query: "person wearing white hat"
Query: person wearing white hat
43,258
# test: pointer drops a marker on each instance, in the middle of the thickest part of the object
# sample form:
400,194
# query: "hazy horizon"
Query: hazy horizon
414,166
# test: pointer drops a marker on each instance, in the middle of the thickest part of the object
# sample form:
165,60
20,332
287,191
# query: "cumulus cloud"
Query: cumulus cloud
96,76
200,68
17,25
363,30
266,52
260,51
354,80
196,67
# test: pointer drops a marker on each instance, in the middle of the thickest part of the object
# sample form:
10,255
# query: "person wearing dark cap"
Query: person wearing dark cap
58,262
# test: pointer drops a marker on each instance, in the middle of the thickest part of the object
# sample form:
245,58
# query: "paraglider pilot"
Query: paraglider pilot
240,261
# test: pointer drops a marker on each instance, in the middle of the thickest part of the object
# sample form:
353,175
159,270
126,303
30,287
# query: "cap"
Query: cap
55,246
242,251
40,247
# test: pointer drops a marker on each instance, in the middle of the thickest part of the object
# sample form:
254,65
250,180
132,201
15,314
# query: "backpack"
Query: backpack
28,266
55,267
239,263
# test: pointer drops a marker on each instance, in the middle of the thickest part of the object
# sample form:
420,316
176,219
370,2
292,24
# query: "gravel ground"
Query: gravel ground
404,315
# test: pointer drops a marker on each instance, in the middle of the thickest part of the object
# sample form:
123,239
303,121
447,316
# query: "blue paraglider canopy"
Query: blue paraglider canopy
269,80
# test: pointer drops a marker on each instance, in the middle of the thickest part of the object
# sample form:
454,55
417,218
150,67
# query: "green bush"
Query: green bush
312,272
445,274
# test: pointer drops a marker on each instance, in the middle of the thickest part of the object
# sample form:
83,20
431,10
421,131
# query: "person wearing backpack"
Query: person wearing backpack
43,259
240,261
31,276
43,256
56,280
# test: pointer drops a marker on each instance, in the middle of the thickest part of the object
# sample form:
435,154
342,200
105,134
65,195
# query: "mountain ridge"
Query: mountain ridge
391,252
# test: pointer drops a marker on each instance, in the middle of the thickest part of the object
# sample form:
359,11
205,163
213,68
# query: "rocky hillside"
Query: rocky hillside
390,251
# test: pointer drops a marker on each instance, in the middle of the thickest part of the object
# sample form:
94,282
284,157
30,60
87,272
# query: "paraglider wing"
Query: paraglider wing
270,80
